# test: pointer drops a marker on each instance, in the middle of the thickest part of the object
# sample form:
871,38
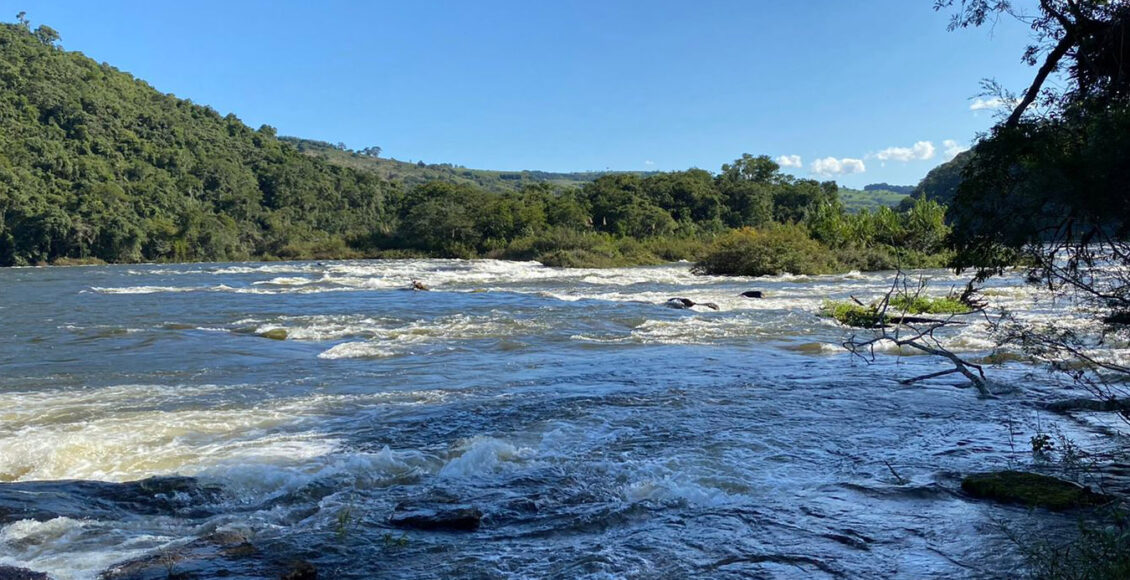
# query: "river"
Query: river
599,433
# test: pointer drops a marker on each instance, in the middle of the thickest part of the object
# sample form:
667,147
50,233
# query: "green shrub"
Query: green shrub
771,251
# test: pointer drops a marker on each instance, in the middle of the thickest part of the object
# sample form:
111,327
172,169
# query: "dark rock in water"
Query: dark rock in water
45,500
418,285
444,518
13,573
302,570
1104,405
685,303
216,555
1031,489
752,294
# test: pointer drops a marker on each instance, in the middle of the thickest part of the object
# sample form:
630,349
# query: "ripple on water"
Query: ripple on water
601,434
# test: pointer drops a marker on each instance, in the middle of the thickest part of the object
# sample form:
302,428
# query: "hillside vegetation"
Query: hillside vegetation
408,175
98,165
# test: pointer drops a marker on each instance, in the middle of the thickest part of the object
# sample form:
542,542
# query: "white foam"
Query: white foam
143,289
483,455
69,549
391,338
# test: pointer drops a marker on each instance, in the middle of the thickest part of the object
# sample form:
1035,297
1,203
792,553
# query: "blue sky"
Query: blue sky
860,92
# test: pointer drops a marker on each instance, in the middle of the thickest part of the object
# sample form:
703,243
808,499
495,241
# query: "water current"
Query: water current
599,433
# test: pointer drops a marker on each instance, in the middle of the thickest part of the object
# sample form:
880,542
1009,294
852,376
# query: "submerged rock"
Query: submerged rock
444,518
752,294
216,555
78,499
1031,489
301,570
13,573
1103,405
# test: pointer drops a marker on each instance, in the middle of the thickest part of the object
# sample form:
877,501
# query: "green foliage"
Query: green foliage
410,175
942,182
871,198
857,315
920,228
95,164
927,305
771,251
852,314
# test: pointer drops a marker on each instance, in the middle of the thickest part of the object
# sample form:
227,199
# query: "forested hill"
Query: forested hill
941,183
410,174
96,163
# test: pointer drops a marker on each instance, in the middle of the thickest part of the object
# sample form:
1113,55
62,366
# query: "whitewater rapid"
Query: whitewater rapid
601,434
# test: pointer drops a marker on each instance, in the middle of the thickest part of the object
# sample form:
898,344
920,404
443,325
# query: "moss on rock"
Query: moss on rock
1031,489
274,334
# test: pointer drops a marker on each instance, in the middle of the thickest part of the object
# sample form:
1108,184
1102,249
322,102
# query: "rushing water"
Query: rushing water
601,434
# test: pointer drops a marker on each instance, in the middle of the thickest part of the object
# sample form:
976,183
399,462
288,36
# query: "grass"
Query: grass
851,314
927,305
856,315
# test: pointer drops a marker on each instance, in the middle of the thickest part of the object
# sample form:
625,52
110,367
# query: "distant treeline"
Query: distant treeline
97,165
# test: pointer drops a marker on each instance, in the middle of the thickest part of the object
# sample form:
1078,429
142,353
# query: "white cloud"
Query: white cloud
790,161
920,151
980,104
829,166
952,149
649,162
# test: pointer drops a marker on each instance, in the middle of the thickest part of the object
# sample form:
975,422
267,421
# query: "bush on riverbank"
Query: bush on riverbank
829,240
766,252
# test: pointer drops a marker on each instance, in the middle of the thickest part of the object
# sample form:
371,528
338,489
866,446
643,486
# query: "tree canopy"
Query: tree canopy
1053,181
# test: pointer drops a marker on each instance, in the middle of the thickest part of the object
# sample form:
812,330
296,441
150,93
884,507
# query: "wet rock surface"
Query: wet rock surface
45,500
13,573
440,518
1101,405
220,554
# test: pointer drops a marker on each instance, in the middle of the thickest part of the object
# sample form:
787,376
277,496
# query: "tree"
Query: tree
47,35
1049,187
1090,35
760,169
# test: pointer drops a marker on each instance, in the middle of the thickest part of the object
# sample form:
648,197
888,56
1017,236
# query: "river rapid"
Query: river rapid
599,433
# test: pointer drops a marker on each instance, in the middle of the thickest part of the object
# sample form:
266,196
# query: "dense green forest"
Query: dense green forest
98,165
95,163
408,175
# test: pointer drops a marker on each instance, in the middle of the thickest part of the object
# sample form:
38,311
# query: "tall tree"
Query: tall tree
1050,185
